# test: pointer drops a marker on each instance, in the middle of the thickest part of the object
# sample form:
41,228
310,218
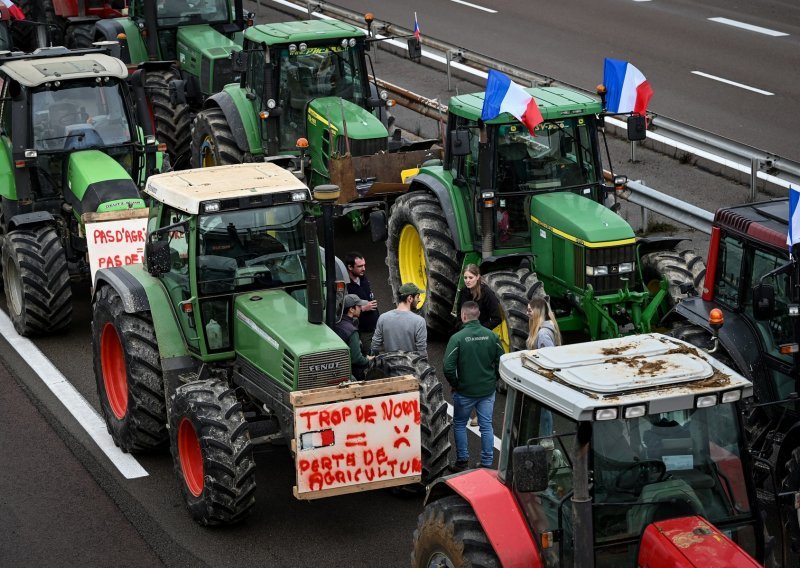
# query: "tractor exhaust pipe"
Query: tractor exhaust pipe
327,195
151,23
486,183
313,278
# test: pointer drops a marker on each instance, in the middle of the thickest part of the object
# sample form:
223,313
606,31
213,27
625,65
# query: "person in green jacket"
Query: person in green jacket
471,366
347,329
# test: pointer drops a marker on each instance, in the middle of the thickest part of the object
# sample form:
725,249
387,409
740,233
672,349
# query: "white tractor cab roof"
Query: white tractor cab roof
34,72
203,190
625,377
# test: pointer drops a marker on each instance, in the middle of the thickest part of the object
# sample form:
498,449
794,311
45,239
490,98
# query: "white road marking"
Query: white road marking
474,429
735,84
72,400
748,27
475,6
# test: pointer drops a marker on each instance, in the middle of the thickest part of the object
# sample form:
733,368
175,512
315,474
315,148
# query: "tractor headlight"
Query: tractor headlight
625,267
384,95
344,43
270,104
706,401
292,48
303,47
299,196
211,207
605,414
597,271
352,42
731,396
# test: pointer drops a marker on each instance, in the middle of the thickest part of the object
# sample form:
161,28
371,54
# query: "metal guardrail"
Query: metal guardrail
649,199
728,154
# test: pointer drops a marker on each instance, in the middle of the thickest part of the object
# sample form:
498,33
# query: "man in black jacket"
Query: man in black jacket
360,286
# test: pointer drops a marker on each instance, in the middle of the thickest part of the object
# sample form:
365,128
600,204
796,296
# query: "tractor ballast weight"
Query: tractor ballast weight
232,301
619,452
76,152
309,80
532,212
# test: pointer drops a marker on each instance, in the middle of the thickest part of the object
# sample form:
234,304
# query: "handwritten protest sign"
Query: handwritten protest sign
116,242
349,445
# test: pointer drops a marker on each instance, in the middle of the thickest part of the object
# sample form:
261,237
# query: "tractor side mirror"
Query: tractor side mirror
459,143
414,50
530,468
377,224
637,127
763,301
159,259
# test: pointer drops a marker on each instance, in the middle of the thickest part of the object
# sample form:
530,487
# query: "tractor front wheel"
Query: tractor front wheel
678,267
80,36
421,251
36,281
212,140
512,290
434,422
212,453
172,121
127,369
449,534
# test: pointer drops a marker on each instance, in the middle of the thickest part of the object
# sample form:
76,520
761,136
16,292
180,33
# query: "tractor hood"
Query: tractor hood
205,53
578,218
272,332
334,112
98,183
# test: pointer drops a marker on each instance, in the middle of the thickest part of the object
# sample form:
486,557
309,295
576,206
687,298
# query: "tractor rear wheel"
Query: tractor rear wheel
127,369
434,422
678,267
791,482
212,140
173,122
25,36
80,36
420,250
36,281
212,453
449,534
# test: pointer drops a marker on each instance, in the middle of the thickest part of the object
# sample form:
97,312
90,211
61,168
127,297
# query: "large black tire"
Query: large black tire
791,516
173,122
80,36
449,534
212,453
36,281
421,250
213,143
435,423
678,267
127,369
24,35
512,290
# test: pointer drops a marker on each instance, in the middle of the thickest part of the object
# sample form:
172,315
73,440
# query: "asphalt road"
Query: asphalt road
739,82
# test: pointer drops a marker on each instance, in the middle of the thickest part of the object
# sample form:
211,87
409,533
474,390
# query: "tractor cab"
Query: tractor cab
611,450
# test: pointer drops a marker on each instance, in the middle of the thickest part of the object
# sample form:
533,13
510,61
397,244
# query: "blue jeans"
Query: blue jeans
462,408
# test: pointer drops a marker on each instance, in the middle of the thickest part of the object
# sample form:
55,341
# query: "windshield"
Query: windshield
559,156
180,12
79,115
250,249
320,71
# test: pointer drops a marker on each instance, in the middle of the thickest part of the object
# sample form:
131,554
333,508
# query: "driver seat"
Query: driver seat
59,112
668,499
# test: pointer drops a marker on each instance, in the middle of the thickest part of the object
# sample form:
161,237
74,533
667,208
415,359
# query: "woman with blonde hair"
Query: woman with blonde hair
542,325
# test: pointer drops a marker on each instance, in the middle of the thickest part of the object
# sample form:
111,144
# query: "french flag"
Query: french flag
417,33
13,9
627,88
794,217
504,95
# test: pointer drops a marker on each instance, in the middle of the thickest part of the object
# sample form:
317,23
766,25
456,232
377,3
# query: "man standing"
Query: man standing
401,329
347,329
471,366
359,285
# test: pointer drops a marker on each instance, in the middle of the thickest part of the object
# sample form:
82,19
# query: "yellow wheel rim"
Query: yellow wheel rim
503,333
411,261
207,158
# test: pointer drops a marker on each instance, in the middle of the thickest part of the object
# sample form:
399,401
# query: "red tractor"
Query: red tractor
70,22
754,284
620,452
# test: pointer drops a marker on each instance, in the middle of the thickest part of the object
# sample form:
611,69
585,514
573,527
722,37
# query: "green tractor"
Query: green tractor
217,344
73,153
308,80
531,209
185,47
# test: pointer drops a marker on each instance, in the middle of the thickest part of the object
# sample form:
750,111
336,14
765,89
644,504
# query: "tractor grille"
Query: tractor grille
611,257
223,74
366,147
318,370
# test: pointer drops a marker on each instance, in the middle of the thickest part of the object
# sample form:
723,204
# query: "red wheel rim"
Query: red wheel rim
115,376
191,457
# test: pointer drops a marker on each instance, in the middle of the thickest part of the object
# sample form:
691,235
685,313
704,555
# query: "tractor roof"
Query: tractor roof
553,102
765,222
36,71
662,373
302,30
185,190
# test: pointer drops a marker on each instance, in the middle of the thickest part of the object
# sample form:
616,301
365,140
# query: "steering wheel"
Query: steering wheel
648,471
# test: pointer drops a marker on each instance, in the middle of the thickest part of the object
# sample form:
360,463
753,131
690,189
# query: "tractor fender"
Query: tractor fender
141,292
654,244
108,29
228,107
429,183
26,219
736,335
498,512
